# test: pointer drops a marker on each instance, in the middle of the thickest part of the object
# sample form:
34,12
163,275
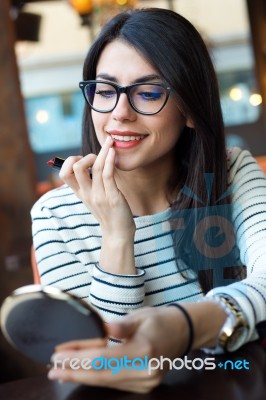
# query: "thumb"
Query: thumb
124,329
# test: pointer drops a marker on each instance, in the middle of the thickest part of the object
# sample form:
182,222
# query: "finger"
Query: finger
81,344
110,186
108,143
63,356
123,330
133,378
67,174
82,172
114,377
130,323
100,162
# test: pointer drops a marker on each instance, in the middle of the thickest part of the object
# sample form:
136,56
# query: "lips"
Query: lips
126,139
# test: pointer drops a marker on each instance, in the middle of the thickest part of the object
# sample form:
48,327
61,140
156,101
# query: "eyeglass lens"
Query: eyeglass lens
147,98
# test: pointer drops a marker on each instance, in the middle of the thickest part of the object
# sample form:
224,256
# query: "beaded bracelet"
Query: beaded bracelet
190,325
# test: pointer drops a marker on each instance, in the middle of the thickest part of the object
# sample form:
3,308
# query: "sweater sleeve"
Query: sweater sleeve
116,294
249,218
67,243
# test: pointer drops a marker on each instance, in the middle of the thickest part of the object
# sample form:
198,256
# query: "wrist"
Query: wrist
207,318
117,255
118,234
235,329
188,328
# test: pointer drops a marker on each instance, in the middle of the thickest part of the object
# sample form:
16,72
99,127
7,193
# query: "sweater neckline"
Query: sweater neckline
157,216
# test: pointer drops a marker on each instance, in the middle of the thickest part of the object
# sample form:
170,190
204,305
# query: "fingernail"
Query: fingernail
52,374
109,140
57,357
53,357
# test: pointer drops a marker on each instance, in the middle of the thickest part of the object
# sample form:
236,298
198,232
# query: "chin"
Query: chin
124,165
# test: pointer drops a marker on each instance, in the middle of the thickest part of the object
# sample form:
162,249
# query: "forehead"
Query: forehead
123,62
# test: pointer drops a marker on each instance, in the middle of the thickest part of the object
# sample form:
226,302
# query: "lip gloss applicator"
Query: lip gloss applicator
57,163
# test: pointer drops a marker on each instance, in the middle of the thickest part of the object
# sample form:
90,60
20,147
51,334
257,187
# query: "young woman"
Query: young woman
168,216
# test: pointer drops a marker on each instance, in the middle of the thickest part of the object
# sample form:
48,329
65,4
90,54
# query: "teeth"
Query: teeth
127,138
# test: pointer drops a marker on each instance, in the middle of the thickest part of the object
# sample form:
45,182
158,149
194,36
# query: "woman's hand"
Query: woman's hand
106,202
148,333
100,194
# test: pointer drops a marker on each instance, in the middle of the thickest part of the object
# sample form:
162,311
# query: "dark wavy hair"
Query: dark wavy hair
172,45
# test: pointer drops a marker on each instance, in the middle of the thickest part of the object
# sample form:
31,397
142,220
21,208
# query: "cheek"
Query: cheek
174,116
171,128
170,134
99,121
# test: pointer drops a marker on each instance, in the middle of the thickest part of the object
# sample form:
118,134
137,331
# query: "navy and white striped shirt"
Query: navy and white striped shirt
67,240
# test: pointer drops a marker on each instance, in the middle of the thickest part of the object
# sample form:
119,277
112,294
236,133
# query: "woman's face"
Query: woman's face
122,64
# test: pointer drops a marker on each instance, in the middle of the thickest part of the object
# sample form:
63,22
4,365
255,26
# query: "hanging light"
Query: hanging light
82,6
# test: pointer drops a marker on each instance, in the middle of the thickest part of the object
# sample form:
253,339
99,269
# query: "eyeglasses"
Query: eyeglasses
145,98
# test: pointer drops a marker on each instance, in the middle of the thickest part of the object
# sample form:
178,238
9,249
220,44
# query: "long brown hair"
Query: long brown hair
174,47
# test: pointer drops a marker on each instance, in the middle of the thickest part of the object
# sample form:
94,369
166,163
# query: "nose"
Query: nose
123,109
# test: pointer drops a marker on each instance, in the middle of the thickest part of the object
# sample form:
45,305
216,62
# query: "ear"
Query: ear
190,123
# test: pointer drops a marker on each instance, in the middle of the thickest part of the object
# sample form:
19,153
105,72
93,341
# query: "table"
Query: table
184,384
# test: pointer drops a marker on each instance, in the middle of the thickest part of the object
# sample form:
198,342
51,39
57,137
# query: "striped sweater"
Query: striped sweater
67,241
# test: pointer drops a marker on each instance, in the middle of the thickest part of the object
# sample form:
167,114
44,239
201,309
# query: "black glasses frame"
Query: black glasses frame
125,89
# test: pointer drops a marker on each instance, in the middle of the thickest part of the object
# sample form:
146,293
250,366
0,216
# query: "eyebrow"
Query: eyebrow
145,78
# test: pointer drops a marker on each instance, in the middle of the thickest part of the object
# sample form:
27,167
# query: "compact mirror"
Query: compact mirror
36,318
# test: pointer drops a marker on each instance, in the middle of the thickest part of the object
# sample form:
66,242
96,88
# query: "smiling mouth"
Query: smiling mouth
127,138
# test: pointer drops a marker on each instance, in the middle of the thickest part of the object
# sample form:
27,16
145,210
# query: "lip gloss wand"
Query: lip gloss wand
57,163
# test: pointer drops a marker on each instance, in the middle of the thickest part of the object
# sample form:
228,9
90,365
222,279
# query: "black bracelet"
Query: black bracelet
190,325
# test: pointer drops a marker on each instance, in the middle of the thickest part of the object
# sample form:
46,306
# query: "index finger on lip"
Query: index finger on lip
100,160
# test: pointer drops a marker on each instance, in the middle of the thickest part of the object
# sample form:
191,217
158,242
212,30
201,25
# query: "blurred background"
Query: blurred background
42,48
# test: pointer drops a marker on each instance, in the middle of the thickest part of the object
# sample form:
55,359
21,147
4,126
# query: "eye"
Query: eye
150,96
107,94
149,92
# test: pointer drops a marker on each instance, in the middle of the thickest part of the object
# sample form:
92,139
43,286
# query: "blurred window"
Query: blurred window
54,121
226,29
